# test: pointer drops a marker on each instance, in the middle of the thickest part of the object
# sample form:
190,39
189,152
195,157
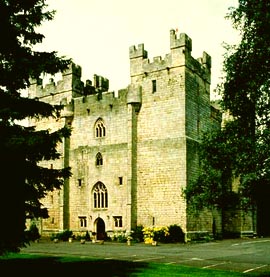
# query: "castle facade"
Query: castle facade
133,153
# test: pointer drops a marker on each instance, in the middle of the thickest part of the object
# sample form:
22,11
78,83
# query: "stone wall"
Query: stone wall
149,151
170,121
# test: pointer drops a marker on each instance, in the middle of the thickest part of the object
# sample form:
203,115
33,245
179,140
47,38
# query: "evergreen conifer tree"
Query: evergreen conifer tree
23,181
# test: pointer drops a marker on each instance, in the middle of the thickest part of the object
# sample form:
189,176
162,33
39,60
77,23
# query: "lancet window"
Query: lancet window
100,196
100,130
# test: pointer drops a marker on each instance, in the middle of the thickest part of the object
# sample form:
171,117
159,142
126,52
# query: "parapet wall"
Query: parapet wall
182,41
69,84
180,55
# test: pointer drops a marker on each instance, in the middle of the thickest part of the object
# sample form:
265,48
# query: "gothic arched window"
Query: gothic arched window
99,159
100,196
100,130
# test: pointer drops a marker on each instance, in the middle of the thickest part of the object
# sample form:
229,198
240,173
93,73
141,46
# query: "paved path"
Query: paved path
241,255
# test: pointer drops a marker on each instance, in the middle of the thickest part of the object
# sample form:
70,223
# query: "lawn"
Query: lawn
23,264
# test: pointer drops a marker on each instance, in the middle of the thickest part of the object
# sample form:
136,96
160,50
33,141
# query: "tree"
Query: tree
212,189
23,181
242,147
246,91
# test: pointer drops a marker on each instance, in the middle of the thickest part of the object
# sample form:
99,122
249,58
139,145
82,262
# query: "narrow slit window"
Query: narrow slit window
154,86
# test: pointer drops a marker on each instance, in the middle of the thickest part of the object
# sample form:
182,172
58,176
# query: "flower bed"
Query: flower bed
152,234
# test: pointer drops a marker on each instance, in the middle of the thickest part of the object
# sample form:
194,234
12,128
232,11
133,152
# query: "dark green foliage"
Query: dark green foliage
23,181
213,187
120,238
32,234
64,236
87,236
160,235
176,234
173,234
241,149
245,93
137,234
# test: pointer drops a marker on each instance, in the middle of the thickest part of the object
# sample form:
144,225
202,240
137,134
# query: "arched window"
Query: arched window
100,130
100,196
99,159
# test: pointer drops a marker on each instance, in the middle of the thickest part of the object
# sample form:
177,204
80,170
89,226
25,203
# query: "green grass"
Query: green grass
23,264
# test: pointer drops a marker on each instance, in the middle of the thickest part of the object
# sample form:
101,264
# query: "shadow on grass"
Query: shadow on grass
61,266
20,265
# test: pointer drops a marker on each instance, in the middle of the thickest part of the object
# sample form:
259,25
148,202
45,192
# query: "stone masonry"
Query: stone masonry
132,153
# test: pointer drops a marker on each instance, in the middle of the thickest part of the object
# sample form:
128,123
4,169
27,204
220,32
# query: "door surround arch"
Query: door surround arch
100,229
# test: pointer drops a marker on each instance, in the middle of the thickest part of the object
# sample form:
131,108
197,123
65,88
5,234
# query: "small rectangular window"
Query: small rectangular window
120,180
154,86
83,221
79,182
118,221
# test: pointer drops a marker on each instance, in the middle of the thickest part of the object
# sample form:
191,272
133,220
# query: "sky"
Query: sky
97,34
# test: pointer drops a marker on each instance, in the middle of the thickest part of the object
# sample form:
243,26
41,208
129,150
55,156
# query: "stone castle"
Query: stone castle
132,153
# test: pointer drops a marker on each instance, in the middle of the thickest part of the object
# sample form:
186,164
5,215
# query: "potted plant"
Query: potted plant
129,238
82,241
94,237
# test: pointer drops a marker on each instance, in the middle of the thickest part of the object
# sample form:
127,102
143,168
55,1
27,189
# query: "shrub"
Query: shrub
87,236
155,234
175,234
64,236
119,238
170,234
137,233
161,234
32,234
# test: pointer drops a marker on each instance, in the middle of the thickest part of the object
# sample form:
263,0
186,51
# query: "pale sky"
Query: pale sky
97,34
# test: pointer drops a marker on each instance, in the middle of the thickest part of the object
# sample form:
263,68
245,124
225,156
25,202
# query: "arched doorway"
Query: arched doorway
100,229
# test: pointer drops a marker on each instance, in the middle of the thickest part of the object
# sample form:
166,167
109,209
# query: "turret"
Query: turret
180,55
134,96
184,41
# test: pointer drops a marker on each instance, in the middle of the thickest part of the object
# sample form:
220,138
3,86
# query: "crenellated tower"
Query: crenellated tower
174,111
133,153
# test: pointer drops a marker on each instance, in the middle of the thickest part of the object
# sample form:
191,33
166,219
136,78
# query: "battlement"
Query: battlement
73,69
137,52
70,85
183,41
180,55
